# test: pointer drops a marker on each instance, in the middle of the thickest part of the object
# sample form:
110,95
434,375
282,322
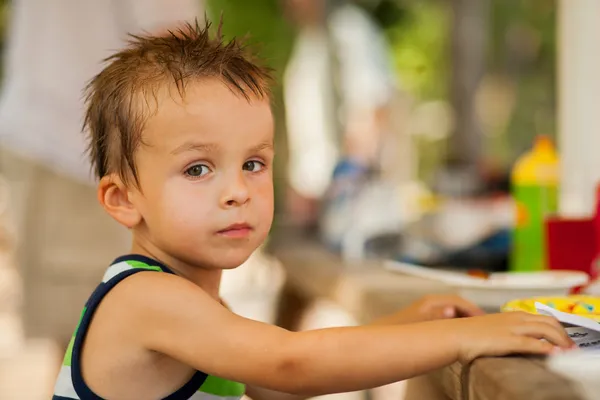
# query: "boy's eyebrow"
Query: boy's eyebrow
209,147
196,146
262,146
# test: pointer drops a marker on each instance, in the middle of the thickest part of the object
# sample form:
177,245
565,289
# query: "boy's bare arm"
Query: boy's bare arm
183,322
259,393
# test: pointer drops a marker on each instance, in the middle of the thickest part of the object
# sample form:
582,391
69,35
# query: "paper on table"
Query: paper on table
585,332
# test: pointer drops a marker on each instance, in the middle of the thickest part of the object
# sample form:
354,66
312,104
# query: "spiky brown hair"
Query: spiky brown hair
117,99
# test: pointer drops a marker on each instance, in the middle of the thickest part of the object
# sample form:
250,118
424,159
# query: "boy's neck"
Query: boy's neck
208,279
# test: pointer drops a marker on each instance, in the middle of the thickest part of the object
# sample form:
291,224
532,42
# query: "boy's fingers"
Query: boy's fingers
556,336
549,320
443,312
529,345
465,308
453,306
555,324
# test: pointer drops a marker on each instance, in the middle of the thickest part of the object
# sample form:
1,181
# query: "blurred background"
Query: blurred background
438,133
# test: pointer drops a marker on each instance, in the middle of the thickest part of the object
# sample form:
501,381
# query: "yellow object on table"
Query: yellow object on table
586,306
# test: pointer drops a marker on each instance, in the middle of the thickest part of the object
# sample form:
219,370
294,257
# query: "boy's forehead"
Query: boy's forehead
207,109
206,96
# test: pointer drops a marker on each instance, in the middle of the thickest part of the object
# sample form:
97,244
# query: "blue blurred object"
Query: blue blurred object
489,254
348,179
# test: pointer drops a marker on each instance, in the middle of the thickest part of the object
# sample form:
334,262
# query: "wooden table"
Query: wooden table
367,291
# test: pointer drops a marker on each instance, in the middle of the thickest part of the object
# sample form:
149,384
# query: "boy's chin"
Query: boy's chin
220,258
232,265
232,261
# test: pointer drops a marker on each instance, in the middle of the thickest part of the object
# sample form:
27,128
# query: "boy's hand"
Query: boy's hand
509,333
432,307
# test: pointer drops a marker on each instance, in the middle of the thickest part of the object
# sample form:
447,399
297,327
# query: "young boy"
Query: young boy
181,138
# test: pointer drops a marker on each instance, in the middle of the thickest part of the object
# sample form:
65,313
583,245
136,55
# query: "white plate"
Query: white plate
496,281
499,288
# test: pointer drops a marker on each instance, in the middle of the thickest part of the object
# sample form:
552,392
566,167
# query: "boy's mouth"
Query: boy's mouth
239,230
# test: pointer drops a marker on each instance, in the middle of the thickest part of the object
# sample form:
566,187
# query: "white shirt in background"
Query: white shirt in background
366,82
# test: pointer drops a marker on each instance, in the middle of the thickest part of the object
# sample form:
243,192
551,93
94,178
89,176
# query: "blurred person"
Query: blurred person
187,168
339,88
62,239
310,106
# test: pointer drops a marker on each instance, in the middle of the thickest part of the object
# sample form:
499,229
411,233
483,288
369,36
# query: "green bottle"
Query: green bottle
535,192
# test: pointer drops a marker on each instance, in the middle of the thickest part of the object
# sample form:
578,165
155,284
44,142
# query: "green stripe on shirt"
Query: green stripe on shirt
139,264
222,387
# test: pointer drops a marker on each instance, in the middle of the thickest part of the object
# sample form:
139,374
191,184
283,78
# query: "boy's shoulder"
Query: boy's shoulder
136,284
134,293
119,278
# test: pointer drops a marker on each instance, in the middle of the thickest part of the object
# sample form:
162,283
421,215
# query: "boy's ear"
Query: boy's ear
115,198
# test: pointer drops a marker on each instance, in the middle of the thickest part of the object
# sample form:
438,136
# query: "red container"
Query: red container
574,244
571,244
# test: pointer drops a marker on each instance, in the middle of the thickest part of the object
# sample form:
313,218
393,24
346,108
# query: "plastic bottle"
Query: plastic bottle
535,180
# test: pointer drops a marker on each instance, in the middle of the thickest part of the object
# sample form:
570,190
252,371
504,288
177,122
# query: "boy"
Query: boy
181,138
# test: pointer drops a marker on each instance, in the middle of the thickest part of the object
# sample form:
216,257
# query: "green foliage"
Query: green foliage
419,42
261,22
523,48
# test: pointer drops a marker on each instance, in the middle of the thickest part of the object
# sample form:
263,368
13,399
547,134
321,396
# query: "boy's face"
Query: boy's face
205,173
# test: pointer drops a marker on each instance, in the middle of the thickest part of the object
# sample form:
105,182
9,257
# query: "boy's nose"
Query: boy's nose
236,192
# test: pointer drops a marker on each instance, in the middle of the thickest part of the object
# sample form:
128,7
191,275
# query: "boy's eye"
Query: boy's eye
253,166
197,170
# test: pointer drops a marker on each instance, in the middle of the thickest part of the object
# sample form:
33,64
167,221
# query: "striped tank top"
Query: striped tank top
70,384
